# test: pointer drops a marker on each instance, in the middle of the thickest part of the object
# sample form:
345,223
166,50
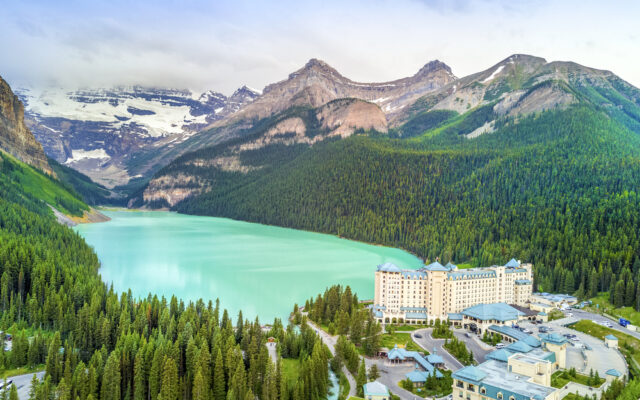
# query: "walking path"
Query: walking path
330,341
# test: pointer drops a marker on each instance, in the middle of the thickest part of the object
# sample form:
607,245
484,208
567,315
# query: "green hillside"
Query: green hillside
20,182
92,193
557,188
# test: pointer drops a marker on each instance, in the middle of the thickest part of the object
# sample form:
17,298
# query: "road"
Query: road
330,341
580,314
23,383
429,344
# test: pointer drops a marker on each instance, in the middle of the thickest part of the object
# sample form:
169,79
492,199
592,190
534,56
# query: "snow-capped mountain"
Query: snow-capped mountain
97,130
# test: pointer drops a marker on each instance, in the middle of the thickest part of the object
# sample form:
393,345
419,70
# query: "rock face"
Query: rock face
97,131
15,137
317,83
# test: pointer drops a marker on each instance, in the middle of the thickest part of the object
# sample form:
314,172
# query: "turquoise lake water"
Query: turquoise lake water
261,270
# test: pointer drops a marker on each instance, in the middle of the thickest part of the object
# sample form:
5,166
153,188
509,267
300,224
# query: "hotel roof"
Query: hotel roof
516,334
519,347
402,354
553,338
421,376
495,378
436,266
496,311
513,263
389,267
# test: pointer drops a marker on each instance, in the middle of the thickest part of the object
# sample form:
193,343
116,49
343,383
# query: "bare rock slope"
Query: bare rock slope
15,137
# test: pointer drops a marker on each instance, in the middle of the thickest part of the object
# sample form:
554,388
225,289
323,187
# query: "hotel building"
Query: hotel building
440,291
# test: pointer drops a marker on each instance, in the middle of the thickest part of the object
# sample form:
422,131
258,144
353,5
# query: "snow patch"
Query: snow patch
493,75
79,154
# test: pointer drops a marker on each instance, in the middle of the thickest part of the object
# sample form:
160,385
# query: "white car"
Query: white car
500,346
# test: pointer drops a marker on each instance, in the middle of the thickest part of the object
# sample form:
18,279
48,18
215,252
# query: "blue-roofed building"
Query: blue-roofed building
481,316
611,341
520,377
375,391
510,334
613,374
558,344
423,367
513,263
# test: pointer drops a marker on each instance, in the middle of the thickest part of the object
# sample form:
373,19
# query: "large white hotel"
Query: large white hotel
440,291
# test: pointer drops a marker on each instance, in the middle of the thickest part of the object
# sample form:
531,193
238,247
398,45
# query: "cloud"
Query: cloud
222,45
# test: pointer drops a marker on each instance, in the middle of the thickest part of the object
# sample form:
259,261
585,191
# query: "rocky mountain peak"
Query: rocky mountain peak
433,66
15,137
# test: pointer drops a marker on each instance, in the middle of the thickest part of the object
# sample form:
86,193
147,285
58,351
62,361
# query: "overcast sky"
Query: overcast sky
222,45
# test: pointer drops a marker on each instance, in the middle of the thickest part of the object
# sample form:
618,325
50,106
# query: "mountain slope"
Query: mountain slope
15,137
96,130
541,162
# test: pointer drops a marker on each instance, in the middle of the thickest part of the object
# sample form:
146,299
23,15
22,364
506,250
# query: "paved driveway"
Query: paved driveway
23,383
429,344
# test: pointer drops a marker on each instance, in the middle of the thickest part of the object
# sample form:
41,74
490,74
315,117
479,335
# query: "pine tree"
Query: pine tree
200,390
169,388
218,378
361,379
13,394
111,379
374,373
33,390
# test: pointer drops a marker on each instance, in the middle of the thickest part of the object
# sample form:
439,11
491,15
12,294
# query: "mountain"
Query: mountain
15,137
536,159
317,83
97,130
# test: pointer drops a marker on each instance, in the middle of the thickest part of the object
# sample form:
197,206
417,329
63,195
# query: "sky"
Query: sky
222,45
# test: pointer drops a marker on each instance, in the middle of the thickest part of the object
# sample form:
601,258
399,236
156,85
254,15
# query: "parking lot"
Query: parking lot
598,357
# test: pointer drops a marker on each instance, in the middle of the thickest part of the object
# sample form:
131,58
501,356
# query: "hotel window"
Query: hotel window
499,396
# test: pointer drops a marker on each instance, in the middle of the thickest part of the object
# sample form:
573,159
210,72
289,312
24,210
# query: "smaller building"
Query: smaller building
555,300
543,316
612,375
480,317
375,391
557,344
611,341
541,307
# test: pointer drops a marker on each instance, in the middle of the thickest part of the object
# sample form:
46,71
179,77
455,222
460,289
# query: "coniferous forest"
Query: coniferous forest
558,189
98,344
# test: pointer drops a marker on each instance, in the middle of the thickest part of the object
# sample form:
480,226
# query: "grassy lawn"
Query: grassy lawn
555,314
399,338
561,378
629,345
355,398
603,305
571,396
290,368
409,327
20,371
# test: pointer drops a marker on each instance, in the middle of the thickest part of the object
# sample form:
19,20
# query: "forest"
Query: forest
97,344
558,189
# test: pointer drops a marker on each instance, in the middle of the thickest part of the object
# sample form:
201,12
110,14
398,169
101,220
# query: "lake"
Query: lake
259,269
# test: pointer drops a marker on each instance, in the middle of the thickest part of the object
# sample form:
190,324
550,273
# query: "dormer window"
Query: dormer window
499,396
483,390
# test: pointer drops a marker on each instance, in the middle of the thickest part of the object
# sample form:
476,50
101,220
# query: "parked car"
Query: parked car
526,331
419,336
467,334
500,345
